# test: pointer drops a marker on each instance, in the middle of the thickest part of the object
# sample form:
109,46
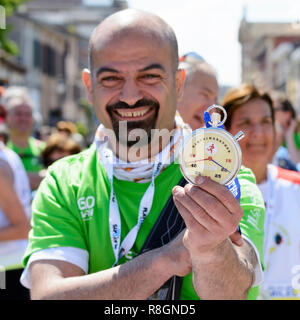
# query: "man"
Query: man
288,154
20,122
94,212
200,89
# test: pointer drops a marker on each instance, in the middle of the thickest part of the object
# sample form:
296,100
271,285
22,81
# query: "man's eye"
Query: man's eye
205,95
110,78
150,77
109,81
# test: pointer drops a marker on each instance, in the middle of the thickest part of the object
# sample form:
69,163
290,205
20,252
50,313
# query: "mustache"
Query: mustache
140,103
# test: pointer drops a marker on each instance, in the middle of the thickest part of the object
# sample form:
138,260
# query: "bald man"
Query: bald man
118,221
200,90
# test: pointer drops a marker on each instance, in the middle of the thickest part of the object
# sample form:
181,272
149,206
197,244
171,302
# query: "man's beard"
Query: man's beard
146,125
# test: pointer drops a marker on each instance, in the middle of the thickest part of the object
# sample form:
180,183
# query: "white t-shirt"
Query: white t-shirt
11,252
281,193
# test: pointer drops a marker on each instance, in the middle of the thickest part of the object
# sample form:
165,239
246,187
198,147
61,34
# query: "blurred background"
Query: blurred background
44,46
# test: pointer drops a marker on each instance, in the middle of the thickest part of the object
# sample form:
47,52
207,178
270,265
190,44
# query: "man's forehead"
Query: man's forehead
132,50
132,28
203,80
112,38
20,108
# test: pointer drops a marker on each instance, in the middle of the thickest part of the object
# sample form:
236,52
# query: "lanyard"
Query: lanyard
120,249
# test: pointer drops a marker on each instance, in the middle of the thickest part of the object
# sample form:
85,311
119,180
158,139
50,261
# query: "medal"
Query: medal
212,151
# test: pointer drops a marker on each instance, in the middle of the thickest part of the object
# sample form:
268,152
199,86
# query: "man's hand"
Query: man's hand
211,214
220,269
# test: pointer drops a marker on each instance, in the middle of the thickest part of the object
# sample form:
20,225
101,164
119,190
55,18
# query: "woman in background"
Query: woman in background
253,113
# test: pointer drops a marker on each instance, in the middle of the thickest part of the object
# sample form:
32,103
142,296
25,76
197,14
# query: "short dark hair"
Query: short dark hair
286,106
59,142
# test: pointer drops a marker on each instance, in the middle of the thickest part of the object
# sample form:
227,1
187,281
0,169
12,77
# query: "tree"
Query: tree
6,44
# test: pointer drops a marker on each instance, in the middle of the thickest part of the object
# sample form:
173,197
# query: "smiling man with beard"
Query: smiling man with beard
104,227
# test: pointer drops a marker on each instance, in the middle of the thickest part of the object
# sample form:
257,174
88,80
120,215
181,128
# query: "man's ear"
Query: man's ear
87,79
180,77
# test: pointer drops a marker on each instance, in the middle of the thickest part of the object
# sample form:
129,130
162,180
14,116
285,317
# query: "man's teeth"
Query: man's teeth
132,114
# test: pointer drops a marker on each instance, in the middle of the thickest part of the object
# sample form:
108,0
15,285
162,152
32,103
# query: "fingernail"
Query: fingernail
176,191
200,179
240,242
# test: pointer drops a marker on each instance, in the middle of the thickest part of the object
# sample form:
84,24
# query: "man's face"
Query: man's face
133,81
20,119
200,92
283,117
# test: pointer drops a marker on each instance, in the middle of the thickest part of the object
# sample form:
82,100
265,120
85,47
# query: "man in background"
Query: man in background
200,89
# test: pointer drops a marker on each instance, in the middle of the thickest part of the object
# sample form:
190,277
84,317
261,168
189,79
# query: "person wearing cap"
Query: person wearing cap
118,221
200,89
20,122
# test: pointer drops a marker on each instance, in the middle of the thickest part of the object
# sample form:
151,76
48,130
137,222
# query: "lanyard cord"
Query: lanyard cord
121,249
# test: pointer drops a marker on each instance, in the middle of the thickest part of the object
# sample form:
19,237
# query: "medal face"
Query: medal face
210,152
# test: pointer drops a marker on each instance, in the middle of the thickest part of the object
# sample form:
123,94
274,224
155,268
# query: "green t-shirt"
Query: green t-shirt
296,140
30,155
71,208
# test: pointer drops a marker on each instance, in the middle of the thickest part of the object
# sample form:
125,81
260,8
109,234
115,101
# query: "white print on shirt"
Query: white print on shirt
86,207
251,194
253,218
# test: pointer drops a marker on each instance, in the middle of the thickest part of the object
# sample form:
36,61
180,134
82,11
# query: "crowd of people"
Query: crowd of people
104,227
24,160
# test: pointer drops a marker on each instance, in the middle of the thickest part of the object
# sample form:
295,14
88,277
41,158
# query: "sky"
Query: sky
210,27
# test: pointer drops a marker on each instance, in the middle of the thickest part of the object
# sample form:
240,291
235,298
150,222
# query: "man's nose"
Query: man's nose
130,92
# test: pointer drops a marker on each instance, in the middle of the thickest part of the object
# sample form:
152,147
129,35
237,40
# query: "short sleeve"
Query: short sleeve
252,203
54,215
252,223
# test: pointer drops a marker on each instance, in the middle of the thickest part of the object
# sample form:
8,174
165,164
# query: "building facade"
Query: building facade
271,57
52,37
